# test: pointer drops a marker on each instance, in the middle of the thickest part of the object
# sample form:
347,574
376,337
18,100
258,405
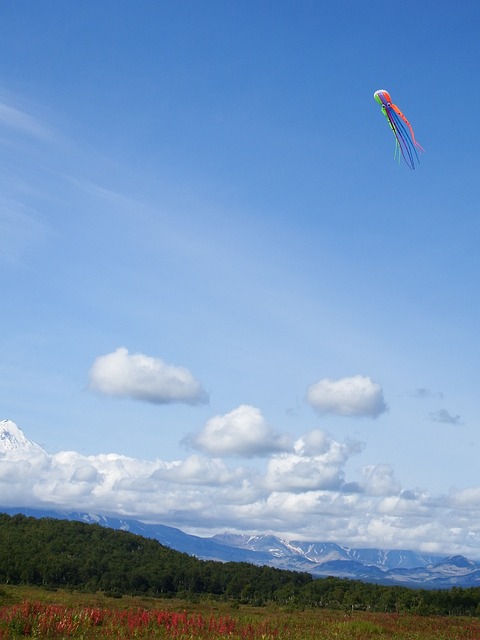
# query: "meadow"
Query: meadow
27,612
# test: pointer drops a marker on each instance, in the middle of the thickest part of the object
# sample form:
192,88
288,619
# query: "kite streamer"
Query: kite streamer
405,143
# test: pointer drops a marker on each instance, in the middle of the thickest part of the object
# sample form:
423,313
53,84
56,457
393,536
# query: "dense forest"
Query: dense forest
88,557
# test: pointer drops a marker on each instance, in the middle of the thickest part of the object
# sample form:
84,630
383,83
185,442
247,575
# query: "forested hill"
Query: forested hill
65,553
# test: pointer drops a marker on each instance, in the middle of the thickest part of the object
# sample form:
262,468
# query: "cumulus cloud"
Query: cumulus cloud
290,472
466,499
195,469
442,415
144,378
316,463
241,432
379,480
315,442
356,396
318,443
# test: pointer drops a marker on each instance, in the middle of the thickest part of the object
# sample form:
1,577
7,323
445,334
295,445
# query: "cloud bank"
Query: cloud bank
357,396
301,493
144,378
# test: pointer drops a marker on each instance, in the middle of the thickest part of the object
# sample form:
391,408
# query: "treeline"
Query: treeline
88,557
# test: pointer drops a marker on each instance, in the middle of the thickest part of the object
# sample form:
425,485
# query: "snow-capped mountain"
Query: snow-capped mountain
322,552
321,559
12,438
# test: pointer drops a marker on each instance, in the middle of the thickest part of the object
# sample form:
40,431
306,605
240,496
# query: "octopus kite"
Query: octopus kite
405,143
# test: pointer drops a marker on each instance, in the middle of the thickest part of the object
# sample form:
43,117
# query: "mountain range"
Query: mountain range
321,559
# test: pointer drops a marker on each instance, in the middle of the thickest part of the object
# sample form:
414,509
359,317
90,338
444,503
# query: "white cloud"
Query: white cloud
317,463
195,470
466,498
241,432
85,473
291,472
318,443
357,396
379,480
145,378
314,442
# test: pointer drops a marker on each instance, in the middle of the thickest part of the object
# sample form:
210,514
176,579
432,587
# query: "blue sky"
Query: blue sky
212,266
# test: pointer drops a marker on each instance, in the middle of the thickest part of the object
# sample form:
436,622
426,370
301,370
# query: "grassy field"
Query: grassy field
37,613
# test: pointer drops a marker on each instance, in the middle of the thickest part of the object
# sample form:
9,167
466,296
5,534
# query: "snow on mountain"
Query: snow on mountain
12,438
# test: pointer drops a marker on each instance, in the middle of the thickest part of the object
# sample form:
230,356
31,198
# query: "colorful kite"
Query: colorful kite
405,142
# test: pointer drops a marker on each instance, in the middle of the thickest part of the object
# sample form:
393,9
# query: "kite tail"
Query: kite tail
398,112
396,153
404,135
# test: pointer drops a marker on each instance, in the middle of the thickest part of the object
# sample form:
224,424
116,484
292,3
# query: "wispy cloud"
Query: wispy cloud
442,415
23,122
143,377
424,393
356,396
20,230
